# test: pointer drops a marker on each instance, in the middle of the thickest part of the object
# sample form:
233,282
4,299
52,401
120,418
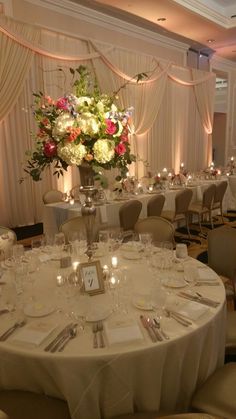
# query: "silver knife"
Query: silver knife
60,335
149,330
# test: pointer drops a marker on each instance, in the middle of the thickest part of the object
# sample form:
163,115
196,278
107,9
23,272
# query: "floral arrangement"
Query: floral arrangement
82,127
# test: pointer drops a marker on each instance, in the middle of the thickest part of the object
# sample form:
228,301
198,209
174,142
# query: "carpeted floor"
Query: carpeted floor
197,243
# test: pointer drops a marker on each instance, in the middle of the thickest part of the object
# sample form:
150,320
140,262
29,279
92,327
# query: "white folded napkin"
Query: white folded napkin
205,274
34,333
124,329
103,214
188,309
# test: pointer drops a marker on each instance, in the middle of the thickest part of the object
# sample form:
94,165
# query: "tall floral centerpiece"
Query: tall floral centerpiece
83,128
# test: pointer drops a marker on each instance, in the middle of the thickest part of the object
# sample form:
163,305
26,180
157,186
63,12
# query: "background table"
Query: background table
101,383
108,214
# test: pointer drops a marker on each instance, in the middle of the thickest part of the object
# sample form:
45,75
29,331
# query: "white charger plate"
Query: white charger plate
98,315
38,310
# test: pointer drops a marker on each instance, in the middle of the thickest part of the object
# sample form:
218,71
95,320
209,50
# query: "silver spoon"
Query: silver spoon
158,325
72,334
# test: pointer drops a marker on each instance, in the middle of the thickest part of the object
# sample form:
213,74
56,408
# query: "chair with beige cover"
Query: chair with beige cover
54,195
7,240
153,415
3,415
182,202
204,206
160,229
129,213
155,205
75,192
217,395
73,225
219,196
18,404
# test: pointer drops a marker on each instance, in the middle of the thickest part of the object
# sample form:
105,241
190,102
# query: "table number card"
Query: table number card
91,277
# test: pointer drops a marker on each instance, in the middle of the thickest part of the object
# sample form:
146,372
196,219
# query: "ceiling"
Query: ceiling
208,26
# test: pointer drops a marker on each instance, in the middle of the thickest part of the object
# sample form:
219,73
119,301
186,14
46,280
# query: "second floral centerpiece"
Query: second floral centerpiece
84,127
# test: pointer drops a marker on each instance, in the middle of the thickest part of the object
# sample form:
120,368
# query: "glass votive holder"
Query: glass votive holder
114,262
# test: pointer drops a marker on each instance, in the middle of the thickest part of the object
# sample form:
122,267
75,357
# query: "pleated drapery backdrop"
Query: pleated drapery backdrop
173,108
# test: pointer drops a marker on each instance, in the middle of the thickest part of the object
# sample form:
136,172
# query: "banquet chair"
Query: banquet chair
3,415
204,206
7,240
217,395
75,192
75,224
54,195
18,404
182,202
129,213
152,415
160,228
222,257
219,196
155,205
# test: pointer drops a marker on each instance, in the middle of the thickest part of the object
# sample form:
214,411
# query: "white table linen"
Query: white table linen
138,374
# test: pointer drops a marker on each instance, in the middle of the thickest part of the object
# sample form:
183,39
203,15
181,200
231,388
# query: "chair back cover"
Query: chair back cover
208,196
155,205
160,228
220,191
182,201
73,225
52,196
129,213
222,251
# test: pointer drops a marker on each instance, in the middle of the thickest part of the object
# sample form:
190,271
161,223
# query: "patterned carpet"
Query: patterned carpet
197,243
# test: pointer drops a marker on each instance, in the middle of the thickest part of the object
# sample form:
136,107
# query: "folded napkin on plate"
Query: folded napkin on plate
103,214
189,309
34,333
205,274
122,330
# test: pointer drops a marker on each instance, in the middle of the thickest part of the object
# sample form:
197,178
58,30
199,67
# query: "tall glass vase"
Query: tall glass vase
88,209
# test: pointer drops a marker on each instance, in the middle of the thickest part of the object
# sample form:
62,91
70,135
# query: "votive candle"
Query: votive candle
114,262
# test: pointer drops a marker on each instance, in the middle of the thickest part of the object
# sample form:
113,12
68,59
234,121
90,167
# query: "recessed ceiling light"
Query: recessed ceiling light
210,41
161,19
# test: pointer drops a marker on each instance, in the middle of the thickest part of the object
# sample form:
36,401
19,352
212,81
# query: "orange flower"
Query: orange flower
88,157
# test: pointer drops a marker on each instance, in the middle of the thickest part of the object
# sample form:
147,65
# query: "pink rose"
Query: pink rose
124,138
120,149
50,149
62,103
111,127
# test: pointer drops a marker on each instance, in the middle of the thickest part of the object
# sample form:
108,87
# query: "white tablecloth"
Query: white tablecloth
101,383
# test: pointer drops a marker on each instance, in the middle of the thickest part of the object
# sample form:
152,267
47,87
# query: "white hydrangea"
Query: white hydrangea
84,100
100,106
62,123
104,150
88,123
72,153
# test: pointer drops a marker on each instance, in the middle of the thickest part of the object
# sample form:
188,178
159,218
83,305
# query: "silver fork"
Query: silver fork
95,339
100,330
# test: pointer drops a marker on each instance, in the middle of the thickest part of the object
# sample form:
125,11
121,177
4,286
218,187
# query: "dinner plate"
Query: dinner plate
130,255
174,282
142,302
38,310
97,315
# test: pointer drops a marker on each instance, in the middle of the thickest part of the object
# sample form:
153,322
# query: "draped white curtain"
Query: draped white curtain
173,108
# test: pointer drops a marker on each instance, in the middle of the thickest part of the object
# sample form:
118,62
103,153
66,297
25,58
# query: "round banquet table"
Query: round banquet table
125,376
